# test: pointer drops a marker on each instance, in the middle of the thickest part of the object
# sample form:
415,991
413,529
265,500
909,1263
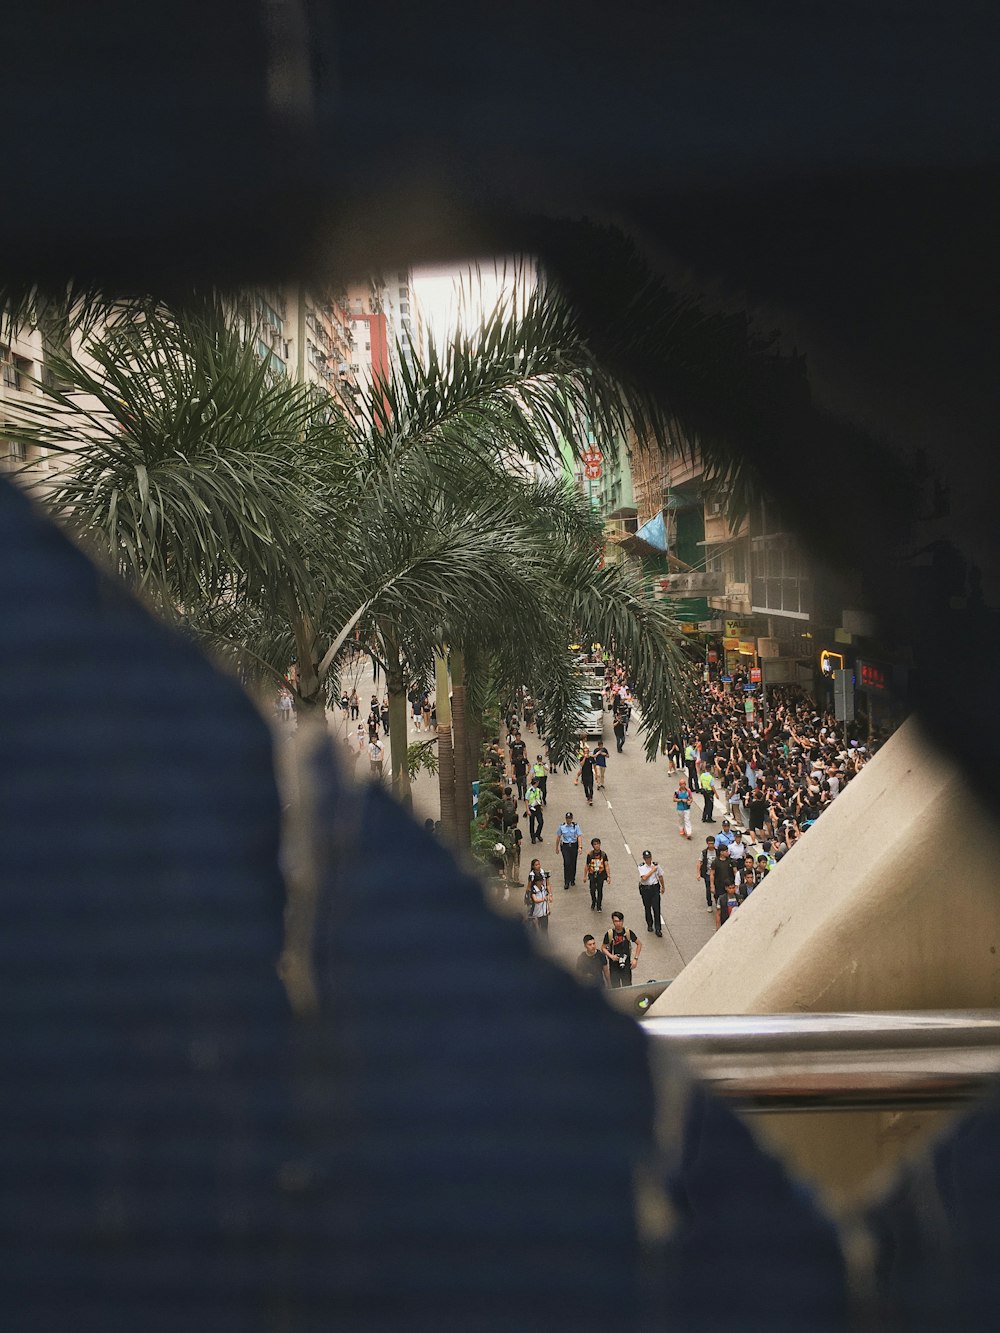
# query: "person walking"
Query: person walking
540,777
598,874
344,704
683,797
586,776
541,897
619,730
591,965
519,766
384,716
355,706
723,884
707,784
703,871
568,837
617,948
533,802
651,888
691,763
600,764
376,752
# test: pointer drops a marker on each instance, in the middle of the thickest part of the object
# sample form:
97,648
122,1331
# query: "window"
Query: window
402,275
779,578
739,558
12,451
15,371
404,307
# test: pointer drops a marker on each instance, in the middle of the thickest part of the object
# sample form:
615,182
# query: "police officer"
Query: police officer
568,837
540,778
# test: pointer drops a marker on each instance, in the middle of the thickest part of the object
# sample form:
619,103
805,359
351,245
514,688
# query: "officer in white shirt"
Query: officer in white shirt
651,888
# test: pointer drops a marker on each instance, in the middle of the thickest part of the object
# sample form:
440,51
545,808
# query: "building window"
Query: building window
779,579
368,347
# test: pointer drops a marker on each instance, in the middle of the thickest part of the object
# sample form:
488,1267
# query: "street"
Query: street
634,812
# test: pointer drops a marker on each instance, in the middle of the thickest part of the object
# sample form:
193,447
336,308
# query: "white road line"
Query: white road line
628,849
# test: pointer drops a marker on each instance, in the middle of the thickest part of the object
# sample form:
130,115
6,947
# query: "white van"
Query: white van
592,710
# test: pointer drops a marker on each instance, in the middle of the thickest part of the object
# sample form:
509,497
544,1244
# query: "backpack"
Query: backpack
509,812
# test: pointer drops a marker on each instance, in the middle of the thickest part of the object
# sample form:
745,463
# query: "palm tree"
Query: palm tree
276,524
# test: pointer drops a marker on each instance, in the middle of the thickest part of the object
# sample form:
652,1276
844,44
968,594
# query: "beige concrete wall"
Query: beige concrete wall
891,901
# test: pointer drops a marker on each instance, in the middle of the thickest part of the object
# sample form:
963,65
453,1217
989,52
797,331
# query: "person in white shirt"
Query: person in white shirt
376,751
651,889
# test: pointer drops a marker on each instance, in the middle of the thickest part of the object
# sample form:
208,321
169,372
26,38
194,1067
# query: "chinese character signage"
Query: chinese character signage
872,677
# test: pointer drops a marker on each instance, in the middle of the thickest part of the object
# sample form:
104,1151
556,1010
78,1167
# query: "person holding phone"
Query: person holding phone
651,888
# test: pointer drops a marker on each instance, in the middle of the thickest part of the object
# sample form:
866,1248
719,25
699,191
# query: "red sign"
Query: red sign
755,675
713,656
872,677
592,456
592,471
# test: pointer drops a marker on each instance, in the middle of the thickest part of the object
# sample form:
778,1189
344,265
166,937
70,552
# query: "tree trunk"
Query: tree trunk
310,694
446,755
460,741
474,713
395,685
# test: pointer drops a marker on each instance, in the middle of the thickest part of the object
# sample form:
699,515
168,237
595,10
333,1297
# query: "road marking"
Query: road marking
628,849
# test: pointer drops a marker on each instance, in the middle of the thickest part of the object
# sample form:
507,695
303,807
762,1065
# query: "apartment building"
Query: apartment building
22,366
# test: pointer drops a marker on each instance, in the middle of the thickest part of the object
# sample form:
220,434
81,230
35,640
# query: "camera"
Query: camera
547,874
623,960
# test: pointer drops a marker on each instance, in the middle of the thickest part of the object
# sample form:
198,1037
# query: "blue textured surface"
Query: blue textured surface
144,1103
752,1249
936,1232
491,1112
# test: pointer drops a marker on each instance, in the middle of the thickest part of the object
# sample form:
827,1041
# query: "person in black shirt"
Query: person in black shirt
723,879
618,950
591,965
598,873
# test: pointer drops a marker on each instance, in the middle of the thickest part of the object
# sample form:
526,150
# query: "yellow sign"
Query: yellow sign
748,648
688,628
731,645
733,628
829,662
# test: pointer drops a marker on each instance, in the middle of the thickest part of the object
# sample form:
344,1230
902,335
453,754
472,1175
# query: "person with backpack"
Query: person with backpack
598,873
541,896
600,764
618,946
508,809
533,802
683,797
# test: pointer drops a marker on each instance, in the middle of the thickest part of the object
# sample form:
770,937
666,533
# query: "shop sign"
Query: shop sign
695,584
829,661
748,648
731,645
713,656
734,628
872,677
755,675
687,627
726,680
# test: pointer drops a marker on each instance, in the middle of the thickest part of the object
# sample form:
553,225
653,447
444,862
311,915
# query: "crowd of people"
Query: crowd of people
775,778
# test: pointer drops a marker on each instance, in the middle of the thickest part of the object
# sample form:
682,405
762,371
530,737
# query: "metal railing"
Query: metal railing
910,1060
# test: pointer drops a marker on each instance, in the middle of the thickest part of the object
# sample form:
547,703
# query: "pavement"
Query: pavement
635,811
